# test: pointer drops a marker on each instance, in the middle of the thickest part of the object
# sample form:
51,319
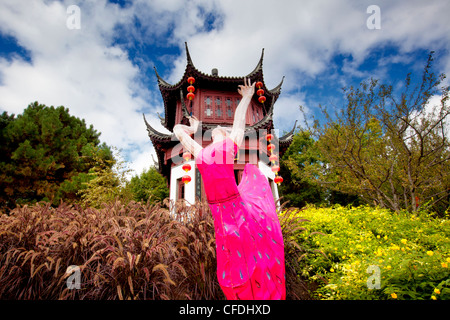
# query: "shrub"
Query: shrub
411,252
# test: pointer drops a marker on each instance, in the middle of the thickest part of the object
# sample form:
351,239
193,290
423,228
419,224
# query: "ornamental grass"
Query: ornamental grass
122,251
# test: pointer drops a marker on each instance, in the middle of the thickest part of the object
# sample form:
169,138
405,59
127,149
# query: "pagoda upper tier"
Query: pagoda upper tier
173,93
216,98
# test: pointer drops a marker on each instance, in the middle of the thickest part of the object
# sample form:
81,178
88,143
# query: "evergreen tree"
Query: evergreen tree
150,185
46,155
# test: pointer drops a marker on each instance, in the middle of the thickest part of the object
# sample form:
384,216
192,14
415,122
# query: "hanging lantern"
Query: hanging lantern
186,167
191,89
190,96
269,137
275,168
260,92
259,84
186,179
187,156
273,158
278,179
271,147
262,99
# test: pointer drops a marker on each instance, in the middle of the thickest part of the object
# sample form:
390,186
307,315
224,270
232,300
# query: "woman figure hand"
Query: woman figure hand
194,122
247,89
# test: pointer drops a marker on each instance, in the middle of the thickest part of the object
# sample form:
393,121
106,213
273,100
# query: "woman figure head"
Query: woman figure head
220,133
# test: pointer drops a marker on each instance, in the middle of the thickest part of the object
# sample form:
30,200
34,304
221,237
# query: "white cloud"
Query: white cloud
79,69
84,71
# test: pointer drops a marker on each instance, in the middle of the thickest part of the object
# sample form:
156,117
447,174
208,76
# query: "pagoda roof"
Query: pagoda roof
171,92
163,142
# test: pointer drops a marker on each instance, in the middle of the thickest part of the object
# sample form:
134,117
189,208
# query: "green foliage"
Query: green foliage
150,185
412,253
298,187
105,182
392,149
46,154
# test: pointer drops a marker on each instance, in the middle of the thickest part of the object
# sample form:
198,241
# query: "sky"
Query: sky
97,57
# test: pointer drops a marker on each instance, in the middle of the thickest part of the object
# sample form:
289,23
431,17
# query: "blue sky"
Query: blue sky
103,71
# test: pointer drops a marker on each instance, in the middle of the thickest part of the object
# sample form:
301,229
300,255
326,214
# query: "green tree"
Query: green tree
150,185
46,155
107,181
392,149
297,188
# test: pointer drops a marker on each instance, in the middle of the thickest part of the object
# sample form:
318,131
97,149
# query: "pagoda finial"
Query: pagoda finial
161,80
258,66
155,134
188,55
277,89
288,136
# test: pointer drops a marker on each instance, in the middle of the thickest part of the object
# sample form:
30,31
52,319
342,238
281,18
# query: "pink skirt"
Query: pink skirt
249,242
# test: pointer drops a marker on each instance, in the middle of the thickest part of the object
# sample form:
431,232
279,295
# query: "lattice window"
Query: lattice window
218,107
208,109
229,103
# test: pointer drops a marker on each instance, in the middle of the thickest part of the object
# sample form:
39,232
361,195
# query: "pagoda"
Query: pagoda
214,103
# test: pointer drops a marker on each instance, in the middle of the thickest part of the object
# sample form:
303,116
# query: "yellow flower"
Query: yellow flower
444,265
433,297
448,260
385,237
404,241
437,291
394,295
430,253
331,270
388,267
378,236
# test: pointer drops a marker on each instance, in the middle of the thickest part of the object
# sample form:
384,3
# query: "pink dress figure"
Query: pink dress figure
249,242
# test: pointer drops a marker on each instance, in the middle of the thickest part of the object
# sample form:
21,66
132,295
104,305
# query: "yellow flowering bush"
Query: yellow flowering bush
372,253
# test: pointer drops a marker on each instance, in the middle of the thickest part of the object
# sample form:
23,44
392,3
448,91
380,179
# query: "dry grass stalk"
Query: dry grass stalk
124,251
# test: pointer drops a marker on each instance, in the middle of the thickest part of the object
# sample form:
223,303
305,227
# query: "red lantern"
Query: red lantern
262,99
191,80
260,92
271,147
186,167
187,156
273,158
269,137
275,168
259,84
278,180
186,179
191,89
190,96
